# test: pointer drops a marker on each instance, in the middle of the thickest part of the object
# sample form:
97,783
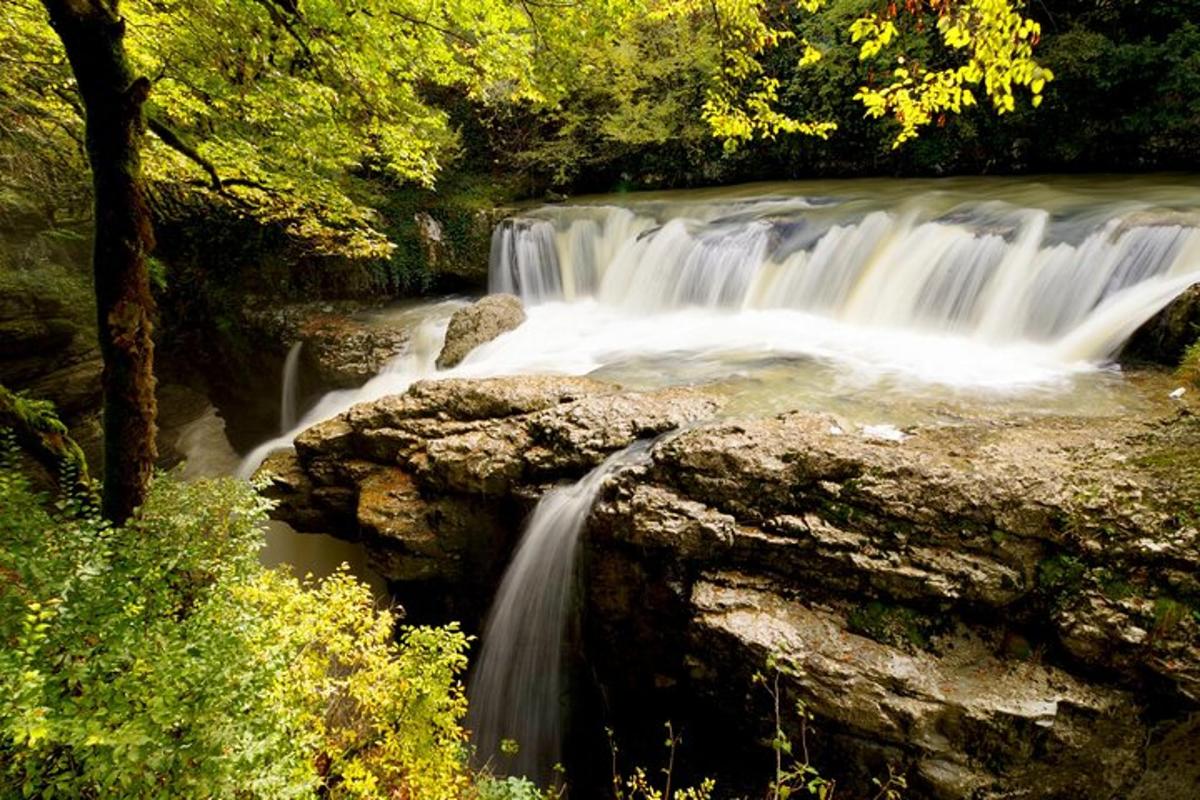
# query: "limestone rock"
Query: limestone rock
1001,608
478,324
342,346
968,724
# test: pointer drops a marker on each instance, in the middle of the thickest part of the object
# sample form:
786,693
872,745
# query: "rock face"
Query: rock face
994,609
436,481
1167,335
478,324
46,350
341,348
987,606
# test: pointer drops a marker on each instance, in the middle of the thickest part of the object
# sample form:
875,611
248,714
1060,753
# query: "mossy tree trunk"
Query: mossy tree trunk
93,33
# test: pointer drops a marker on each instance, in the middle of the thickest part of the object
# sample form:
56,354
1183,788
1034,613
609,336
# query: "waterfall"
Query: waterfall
288,409
923,290
517,686
990,270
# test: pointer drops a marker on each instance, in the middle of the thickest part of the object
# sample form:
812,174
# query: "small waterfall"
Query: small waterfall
289,411
516,689
428,324
524,258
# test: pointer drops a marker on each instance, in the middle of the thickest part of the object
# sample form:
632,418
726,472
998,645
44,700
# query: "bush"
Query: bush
160,660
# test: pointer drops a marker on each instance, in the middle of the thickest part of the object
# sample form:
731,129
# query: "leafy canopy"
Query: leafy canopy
278,108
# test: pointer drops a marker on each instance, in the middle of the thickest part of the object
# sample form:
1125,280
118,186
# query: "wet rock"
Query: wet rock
341,347
455,241
427,466
967,723
429,232
1166,336
478,324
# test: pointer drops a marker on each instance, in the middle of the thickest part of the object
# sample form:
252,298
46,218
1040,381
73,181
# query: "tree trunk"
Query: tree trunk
93,34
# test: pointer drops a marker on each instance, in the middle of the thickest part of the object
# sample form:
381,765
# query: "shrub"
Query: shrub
160,660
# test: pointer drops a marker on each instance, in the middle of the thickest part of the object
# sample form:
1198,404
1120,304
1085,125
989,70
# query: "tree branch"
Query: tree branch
174,141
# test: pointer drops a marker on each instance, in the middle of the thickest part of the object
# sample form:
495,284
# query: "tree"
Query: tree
93,36
287,100
680,74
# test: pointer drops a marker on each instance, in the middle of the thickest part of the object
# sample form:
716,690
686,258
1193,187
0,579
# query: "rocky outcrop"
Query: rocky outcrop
343,347
436,481
1168,334
454,237
49,349
478,324
998,608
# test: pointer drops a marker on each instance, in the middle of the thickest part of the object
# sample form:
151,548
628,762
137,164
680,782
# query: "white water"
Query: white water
988,272
891,288
517,686
288,401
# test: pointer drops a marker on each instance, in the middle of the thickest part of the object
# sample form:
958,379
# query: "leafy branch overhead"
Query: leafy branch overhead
280,107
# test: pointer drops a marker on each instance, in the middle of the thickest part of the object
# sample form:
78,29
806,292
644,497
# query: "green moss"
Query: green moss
1061,574
461,206
895,625
1113,586
1189,365
1169,613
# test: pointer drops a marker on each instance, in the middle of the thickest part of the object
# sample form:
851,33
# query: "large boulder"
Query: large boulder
478,324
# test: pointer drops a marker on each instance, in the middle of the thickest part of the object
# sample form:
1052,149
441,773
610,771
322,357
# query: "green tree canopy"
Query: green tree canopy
278,107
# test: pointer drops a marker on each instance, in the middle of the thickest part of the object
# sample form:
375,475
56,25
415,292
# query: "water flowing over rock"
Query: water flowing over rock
992,270
517,683
342,347
992,606
478,324
289,412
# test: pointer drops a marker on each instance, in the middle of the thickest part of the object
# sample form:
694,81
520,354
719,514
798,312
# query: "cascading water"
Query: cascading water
289,411
989,271
858,298
889,288
517,685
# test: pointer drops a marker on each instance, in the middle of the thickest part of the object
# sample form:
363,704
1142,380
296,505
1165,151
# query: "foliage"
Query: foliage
34,424
638,785
998,42
42,163
273,108
1060,574
272,105
895,625
491,787
794,771
742,101
158,659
